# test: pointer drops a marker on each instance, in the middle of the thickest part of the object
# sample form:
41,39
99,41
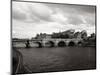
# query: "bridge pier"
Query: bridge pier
56,44
43,42
67,42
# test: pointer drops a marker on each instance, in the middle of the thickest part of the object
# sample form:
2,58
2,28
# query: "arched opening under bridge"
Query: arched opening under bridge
50,44
71,43
79,43
39,44
61,44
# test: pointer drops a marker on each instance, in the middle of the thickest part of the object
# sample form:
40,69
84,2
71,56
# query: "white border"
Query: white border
5,37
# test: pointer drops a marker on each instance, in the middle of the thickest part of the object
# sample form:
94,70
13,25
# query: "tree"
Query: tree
84,35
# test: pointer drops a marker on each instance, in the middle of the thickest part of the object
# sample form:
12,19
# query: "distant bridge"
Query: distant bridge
50,42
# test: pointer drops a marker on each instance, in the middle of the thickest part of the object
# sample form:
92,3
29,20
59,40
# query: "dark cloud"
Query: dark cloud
74,8
38,17
75,20
88,9
31,12
39,12
90,20
76,14
18,15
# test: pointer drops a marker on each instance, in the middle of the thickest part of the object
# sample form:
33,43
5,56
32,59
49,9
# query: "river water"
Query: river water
59,58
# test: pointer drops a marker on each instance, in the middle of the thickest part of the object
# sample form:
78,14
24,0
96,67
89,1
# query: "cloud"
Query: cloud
18,15
59,17
75,20
87,9
90,19
32,18
77,14
40,10
31,11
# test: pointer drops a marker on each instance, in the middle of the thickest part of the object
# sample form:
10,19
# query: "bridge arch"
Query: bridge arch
61,44
71,43
51,43
79,43
39,44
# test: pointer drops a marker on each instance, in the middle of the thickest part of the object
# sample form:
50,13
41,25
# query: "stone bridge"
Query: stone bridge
53,42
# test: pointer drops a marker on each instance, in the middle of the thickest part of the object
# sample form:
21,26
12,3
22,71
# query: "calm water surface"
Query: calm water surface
59,59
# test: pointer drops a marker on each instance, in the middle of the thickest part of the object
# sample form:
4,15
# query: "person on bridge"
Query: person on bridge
27,44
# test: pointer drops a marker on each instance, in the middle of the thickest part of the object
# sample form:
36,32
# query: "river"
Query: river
59,58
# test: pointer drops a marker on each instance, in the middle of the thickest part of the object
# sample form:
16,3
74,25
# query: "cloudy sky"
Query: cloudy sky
30,18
